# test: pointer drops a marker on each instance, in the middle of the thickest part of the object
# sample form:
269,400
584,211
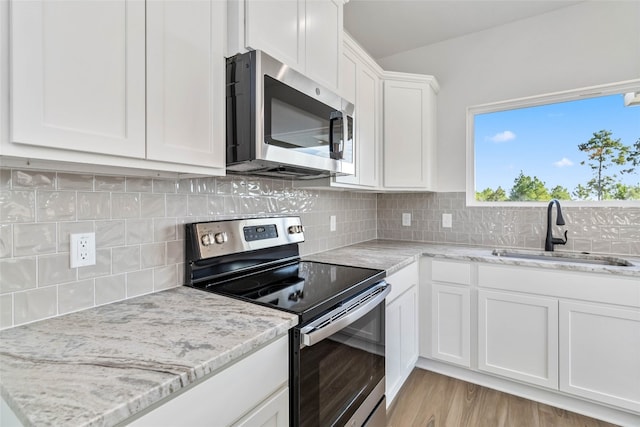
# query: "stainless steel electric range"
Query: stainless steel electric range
336,353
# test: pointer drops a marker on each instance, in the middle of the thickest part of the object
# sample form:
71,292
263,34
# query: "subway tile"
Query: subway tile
197,205
33,179
75,296
6,240
110,289
152,255
74,181
33,239
110,183
6,311
139,231
17,274
56,205
125,205
125,259
164,229
55,269
101,268
5,179
34,304
110,233
175,252
164,186
141,185
94,205
176,205
65,229
165,277
152,205
17,206
139,283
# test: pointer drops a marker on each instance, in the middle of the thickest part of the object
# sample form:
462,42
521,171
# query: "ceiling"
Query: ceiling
387,27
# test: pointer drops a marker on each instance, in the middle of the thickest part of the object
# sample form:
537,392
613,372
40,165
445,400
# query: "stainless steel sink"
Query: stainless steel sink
562,257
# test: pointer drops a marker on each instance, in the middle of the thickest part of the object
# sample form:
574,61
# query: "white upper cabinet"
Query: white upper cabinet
78,75
185,82
303,34
120,83
361,84
409,148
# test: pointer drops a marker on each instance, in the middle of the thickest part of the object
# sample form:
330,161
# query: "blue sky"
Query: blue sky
543,141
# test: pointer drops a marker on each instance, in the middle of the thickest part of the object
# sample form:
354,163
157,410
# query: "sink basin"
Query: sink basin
563,257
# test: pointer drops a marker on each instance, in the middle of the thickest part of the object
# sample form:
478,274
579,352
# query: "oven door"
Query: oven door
338,363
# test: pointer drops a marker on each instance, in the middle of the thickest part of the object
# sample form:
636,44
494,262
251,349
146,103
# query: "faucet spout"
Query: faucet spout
550,241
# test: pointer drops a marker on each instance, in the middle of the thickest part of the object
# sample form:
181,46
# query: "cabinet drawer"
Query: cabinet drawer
402,280
451,272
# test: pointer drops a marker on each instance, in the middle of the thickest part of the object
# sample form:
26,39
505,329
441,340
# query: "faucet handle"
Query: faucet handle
559,240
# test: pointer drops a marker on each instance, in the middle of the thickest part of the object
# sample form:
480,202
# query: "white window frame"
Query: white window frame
532,101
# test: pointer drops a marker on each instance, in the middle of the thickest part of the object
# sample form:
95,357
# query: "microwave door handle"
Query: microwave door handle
313,334
335,150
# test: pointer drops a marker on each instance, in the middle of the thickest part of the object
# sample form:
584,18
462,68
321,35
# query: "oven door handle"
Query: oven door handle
343,316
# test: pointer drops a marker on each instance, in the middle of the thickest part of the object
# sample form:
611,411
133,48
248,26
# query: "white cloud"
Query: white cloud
505,136
563,162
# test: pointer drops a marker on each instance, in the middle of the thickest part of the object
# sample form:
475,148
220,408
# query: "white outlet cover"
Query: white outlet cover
447,220
406,219
82,249
332,223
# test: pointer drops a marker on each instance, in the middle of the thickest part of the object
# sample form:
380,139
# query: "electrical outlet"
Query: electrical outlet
447,220
82,249
332,223
406,219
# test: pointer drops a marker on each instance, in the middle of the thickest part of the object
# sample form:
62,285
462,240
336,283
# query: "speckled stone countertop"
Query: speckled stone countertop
100,366
391,255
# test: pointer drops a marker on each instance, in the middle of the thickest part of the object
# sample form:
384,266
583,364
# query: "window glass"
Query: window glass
568,147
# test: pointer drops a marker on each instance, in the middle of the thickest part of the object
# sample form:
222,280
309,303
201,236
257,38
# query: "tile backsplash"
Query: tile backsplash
591,229
139,232
140,235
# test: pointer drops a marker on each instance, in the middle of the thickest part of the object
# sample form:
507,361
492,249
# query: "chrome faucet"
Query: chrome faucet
551,241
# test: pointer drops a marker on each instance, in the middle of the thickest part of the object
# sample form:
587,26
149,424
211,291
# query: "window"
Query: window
581,146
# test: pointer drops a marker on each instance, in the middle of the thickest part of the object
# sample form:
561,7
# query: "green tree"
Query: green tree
604,154
489,195
528,188
561,193
626,192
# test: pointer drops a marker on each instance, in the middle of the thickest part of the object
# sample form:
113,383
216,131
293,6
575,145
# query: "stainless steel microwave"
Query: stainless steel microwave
282,124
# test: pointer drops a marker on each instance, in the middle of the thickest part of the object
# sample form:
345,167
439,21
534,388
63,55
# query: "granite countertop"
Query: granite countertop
392,255
100,366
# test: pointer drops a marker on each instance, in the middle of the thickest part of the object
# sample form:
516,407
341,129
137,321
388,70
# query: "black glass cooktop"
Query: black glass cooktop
302,287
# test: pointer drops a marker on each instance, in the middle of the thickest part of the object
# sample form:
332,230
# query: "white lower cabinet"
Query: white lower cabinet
600,353
450,324
401,329
518,337
233,397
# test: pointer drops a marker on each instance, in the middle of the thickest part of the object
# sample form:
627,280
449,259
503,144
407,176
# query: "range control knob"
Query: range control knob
221,238
295,229
206,239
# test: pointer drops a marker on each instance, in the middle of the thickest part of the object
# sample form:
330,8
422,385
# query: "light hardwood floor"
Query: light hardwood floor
428,399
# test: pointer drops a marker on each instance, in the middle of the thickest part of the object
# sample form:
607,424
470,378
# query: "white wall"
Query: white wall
591,43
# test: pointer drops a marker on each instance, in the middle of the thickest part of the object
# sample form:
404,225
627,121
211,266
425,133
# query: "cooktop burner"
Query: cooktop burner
258,260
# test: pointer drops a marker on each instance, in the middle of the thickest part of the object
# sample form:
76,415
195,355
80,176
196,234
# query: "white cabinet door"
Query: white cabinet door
274,412
600,353
367,103
277,27
185,81
348,74
409,134
323,41
401,334
518,337
450,324
78,75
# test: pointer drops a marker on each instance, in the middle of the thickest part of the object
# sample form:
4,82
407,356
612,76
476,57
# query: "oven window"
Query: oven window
294,120
338,373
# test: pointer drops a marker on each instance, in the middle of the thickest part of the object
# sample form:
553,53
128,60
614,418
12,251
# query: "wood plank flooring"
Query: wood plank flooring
428,399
